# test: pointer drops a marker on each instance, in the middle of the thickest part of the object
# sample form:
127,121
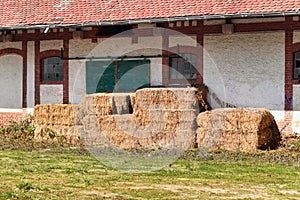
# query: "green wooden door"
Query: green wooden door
100,76
132,74
116,76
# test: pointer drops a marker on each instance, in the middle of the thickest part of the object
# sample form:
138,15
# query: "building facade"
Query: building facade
248,60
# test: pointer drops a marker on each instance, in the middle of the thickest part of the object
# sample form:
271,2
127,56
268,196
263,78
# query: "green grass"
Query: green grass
74,174
53,170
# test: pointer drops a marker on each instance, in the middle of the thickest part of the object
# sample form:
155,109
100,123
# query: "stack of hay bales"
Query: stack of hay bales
245,129
149,119
97,111
55,120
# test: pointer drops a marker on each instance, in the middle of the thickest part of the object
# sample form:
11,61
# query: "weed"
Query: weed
9,195
20,135
25,186
294,144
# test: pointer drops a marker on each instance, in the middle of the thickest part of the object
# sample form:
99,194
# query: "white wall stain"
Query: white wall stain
51,94
50,45
296,38
246,70
30,74
16,45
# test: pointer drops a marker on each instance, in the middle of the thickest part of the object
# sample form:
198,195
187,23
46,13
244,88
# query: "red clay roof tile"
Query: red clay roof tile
35,12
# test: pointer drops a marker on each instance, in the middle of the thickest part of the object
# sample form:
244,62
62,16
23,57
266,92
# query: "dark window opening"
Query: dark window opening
297,65
113,30
183,67
52,69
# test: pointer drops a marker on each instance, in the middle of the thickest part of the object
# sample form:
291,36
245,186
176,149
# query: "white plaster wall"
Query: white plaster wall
296,122
30,74
51,94
296,97
155,44
51,44
278,115
81,47
246,70
296,37
77,82
11,81
16,45
182,41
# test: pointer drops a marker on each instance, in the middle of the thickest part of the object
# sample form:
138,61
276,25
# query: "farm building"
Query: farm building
55,51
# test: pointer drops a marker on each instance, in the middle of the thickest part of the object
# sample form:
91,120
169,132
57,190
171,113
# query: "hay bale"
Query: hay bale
56,120
55,114
121,131
149,99
104,104
41,114
158,116
245,129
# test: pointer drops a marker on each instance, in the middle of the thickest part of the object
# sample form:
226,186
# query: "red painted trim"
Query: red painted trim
296,47
243,27
49,53
24,85
288,87
212,29
64,35
199,29
66,73
52,83
165,61
37,72
200,47
11,51
37,36
263,26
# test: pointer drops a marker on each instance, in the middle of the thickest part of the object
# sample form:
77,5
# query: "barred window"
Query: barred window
183,67
297,65
52,69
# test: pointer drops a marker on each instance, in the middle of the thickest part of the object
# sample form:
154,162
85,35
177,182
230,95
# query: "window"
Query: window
52,69
183,67
297,65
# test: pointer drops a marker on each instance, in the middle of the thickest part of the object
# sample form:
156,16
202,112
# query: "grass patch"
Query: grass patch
31,170
74,174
